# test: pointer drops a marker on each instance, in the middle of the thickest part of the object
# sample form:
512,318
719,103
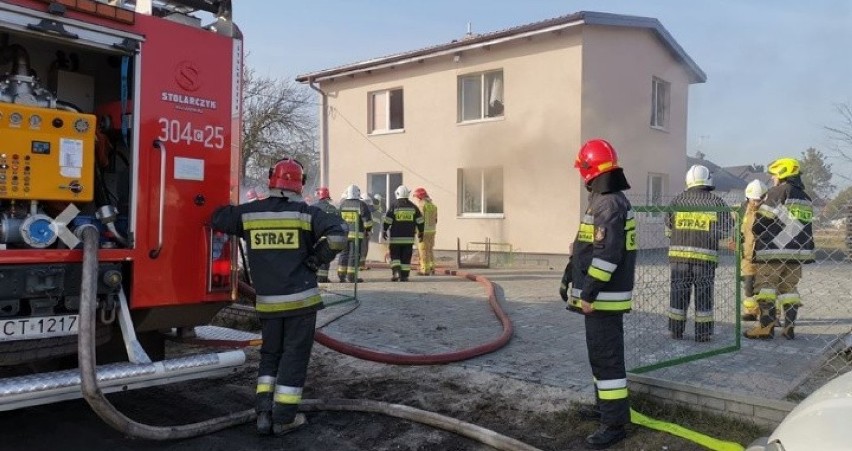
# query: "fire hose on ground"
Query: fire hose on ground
109,414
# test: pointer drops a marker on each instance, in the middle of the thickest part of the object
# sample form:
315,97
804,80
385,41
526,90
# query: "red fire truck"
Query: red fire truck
126,116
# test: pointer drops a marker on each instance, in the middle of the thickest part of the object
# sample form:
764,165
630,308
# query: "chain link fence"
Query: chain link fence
822,345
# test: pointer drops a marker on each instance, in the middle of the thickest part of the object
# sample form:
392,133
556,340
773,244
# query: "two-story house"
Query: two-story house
491,124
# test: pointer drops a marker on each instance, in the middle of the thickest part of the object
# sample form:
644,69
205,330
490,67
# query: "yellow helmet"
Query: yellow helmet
784,168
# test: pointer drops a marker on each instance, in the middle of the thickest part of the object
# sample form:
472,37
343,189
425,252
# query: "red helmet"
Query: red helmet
322,193
596,157
288,175
420,193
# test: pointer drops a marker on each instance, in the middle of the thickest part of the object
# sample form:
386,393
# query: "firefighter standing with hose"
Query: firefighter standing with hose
357,215
602,266
288,242
754,193
694,252
426,245
784,240
324,204
402,222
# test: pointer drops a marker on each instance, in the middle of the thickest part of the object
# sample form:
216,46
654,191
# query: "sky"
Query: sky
776,69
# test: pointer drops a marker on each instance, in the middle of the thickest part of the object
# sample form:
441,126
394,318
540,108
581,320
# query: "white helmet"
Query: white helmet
402,192
698,175
352,192
755,190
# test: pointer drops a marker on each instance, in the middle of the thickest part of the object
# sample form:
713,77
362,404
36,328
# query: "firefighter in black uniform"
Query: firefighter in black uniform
784,240
287,242
324,204
603,261
402,222
357,215
694,251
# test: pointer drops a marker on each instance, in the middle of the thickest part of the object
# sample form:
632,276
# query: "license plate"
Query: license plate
38,327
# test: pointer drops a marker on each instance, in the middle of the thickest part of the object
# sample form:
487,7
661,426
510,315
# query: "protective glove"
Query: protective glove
566,281
313,263
384,236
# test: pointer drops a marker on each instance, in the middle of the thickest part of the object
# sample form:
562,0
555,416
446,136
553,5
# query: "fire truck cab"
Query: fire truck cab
125,116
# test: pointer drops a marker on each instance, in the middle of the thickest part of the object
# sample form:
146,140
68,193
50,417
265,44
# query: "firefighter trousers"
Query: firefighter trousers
400,255
365,247
347,260
775,286
427,256
284,357
605,345
686,277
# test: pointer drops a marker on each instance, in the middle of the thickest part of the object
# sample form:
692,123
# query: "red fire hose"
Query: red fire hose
422,359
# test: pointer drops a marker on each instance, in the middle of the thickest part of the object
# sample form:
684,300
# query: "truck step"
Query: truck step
46,388
220,337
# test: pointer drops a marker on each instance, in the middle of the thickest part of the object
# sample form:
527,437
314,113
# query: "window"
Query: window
660,103
480,96
386,111
656,190
480,191
385,184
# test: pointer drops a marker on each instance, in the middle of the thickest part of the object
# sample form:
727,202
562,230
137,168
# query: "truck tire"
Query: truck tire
29,351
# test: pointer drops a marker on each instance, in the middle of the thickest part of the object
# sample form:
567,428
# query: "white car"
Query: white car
823,422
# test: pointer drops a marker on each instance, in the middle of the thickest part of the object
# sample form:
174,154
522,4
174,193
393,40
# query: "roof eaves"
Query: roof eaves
542,27
619,20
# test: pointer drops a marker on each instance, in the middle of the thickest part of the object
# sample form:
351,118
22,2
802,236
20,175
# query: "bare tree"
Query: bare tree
842,135
278,121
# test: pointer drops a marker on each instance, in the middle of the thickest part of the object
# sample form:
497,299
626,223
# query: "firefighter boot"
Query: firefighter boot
286,428
589,412
765,329
264,423
323,279
790,314
606,436
704,331
395,276
676,327
750,309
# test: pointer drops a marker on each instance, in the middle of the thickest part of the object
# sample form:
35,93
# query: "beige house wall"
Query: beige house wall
535,142
618,67
559,90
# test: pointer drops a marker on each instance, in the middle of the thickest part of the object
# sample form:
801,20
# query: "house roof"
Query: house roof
748,173
514,33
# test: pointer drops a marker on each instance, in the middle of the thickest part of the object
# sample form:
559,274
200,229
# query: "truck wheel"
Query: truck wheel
30,351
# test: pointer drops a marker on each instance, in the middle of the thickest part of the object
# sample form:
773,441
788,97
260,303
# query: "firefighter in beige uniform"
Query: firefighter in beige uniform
754,193
426,245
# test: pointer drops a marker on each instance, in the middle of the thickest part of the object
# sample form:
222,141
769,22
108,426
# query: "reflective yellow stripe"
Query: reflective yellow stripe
264,388
599,274
676,316
586,234
283,398
694,256
276,224
290,305
611,306
611,395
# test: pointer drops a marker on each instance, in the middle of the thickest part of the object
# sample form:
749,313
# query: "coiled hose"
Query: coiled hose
422,359
109,414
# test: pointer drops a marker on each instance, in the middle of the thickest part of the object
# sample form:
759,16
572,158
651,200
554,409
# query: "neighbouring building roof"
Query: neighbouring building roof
514,33
749,172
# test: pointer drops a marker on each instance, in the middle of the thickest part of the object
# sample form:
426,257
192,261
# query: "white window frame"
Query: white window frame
383,129
389,190
483,201
660,114
649,195
483,103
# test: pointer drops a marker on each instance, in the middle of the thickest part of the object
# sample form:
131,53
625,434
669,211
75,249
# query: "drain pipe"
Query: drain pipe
109,414
86,360
323,133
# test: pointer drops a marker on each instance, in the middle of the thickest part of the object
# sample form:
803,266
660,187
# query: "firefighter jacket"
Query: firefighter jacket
430,215
357,215
326,206
749,210
402,221
694,234
603,258
783,229
282,237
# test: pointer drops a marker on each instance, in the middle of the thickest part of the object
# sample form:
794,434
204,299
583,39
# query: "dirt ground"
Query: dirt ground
535,414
